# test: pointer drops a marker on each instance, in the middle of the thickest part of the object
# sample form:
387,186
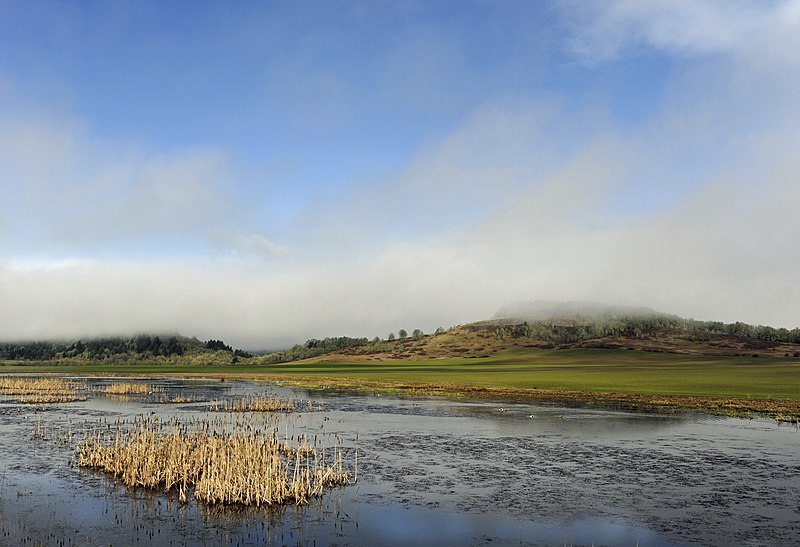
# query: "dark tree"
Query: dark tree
218,345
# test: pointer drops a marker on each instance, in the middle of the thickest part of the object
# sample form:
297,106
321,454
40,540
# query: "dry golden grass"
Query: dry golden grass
41,390
253,403
49,398
232,463
129,388
178,399
29,386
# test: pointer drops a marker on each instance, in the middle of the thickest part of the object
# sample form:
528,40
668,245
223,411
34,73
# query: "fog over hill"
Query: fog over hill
540,310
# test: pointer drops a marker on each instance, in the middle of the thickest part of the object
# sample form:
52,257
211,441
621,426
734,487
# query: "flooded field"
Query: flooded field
429,472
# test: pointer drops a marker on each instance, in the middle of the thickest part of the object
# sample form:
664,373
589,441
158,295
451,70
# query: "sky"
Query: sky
267,172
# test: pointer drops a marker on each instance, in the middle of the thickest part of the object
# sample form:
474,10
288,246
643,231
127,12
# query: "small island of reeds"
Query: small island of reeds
223,462
41,390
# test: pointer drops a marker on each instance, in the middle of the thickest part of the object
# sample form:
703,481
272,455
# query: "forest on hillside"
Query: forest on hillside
557,331
315,348
577,329
143,346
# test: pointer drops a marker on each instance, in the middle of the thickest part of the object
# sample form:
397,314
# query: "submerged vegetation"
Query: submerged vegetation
233,462
129,388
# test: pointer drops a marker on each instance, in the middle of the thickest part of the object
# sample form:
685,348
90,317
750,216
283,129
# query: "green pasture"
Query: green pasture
589,370
586,370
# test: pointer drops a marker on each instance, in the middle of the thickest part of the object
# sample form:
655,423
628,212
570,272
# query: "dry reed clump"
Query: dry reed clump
178,399
226,464
48,398
41,390
129,388
253,403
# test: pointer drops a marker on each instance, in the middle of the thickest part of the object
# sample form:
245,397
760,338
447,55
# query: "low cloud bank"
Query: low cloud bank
691,211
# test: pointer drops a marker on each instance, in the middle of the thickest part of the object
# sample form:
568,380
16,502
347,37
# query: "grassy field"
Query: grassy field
584,370
576,370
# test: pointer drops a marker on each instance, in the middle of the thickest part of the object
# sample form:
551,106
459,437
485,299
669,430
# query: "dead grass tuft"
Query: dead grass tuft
254,404
130,388
179,399
48,398
232,463
41,390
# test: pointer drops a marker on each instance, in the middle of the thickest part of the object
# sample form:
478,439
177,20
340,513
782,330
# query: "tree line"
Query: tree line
137,347
578,329
315,348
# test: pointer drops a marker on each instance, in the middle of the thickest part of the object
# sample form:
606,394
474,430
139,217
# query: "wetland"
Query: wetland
421,470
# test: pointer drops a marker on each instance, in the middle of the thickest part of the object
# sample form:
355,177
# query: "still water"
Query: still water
430,472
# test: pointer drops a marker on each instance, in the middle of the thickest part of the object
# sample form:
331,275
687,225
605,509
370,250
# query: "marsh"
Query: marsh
431,471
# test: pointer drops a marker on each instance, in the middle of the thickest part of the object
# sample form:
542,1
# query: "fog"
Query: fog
693,211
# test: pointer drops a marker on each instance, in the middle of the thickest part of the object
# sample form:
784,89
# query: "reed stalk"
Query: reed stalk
252,403
41,390
226,463
130,388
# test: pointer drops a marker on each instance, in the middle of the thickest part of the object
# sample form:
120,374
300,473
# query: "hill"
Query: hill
561,326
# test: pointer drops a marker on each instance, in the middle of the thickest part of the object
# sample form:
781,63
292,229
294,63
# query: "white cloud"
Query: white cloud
155,197
525,214
245,245
451,184
68,193
716,256
603,30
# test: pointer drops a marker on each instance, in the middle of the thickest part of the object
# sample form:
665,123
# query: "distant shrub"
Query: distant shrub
315,348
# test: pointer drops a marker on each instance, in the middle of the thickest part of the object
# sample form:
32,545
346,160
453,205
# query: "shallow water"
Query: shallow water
430,472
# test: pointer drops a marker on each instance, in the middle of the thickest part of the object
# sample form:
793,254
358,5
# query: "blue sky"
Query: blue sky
271,171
